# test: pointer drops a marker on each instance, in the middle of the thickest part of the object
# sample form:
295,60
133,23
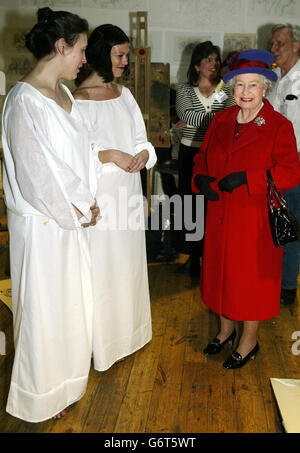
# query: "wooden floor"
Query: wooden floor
170,386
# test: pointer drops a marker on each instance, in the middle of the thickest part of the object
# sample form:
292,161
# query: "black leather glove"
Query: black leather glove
232,181
202,182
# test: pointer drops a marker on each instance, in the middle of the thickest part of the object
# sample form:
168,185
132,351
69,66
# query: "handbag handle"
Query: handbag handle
273,192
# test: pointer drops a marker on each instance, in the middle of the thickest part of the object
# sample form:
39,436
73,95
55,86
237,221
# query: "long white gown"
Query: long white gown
122,315
48,166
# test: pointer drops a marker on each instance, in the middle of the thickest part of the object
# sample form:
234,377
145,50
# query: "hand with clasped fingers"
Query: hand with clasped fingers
95,215
180,125
139,161
127,162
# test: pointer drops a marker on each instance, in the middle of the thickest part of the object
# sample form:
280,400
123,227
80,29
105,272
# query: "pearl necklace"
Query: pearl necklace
239,119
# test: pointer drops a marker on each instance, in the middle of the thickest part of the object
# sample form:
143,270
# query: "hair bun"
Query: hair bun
44,14
51,26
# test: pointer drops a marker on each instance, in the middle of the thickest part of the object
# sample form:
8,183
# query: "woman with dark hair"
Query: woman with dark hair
50,184
122,317
197,102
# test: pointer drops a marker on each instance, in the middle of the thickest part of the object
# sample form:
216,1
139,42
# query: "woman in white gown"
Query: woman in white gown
122,316
49,182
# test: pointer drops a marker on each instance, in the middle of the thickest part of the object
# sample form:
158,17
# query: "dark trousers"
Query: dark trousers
185,169
290,268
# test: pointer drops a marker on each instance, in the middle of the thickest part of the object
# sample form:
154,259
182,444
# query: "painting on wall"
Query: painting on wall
17,61
14,41
238,41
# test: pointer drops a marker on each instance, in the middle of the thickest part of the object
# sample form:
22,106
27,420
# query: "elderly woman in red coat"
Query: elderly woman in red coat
241,274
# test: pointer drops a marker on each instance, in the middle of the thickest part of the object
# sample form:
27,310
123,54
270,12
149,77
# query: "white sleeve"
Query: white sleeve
44,180
141,141
95,147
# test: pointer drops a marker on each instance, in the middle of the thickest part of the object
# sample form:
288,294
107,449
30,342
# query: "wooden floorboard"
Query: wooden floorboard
169,386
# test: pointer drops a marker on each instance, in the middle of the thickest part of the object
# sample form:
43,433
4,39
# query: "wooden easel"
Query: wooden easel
142,71
142,67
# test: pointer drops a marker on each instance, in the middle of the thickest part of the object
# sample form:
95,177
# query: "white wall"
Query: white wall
172,24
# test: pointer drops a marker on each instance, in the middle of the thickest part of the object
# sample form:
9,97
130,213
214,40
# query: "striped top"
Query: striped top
198,111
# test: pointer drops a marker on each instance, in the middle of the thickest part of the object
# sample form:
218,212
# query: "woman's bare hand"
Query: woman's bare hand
140,161
180,125
107,155
124,160
95,216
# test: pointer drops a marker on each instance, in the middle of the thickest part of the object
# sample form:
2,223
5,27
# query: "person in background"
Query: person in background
241,275
285,98
197,102
49,183
122,316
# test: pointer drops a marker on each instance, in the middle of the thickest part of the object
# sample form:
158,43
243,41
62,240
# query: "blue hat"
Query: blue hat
251,61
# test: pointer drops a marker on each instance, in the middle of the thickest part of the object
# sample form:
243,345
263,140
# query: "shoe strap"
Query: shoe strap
237,356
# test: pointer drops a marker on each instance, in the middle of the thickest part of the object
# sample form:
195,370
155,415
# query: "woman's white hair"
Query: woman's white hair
268,85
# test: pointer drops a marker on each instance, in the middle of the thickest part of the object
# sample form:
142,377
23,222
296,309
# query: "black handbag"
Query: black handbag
284,225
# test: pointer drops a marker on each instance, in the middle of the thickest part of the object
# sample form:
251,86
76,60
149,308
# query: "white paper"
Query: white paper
287,393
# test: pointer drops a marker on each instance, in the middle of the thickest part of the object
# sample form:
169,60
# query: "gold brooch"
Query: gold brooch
259,121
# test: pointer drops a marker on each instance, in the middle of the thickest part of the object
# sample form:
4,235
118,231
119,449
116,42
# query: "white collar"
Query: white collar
292,74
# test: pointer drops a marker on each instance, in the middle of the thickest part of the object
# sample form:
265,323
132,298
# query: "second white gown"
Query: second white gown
122,315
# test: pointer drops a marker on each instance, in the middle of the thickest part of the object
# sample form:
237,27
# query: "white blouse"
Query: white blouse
117,124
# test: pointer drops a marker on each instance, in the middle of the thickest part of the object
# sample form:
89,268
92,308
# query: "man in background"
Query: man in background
285,98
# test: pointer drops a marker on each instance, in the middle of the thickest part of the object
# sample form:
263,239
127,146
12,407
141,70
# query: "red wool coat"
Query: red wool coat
241,273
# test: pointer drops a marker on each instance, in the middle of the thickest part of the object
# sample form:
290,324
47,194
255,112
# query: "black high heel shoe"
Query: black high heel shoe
215,346
237,361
